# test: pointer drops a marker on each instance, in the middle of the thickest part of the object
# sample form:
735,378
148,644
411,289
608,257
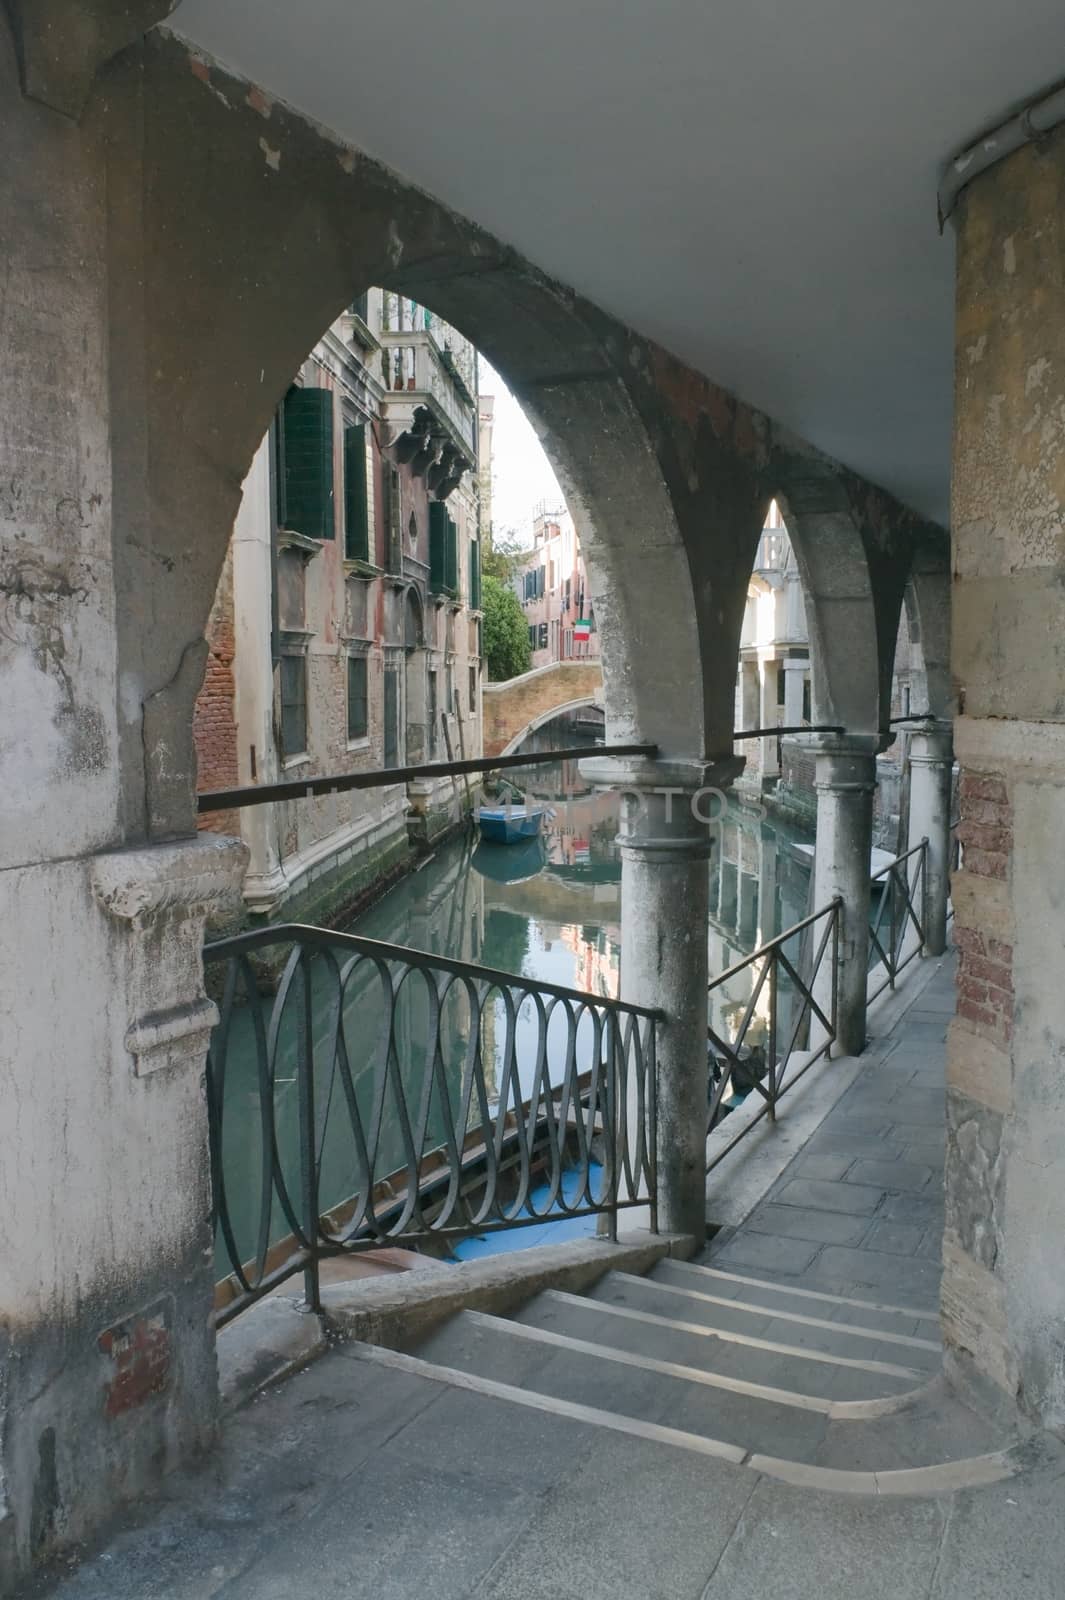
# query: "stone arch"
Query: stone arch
927,603
544,718
851,627
307,225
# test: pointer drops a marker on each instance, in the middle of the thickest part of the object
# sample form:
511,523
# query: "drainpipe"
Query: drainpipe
1037,118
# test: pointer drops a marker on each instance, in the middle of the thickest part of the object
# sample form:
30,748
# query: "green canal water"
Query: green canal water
551,912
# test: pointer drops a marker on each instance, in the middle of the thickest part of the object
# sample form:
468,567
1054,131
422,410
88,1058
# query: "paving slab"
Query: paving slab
637,1518
891,1175
797,1222
852,1198
808,1545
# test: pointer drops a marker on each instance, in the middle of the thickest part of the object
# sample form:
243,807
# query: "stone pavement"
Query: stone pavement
360,1480
860,1209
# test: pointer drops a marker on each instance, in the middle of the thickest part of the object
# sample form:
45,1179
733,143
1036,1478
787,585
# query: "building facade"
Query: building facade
345,632
551,584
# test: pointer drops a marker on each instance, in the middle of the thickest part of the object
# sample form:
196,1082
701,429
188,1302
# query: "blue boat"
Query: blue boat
509,824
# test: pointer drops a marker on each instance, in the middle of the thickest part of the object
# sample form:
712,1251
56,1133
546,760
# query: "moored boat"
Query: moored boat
509,824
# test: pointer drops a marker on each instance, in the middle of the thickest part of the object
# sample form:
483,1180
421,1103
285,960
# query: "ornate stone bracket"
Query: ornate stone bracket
62,44
164,896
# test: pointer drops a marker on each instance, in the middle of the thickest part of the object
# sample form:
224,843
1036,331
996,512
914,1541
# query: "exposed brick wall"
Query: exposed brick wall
214,725
985,964
511,706
986,828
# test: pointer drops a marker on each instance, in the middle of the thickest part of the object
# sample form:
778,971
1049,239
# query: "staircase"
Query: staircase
816,1388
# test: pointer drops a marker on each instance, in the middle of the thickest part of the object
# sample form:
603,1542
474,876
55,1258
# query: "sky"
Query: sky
521,473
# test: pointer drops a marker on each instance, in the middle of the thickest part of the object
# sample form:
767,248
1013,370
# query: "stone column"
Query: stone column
794,685
748,695
1003,1294
768,718
665,899
931,764
846,780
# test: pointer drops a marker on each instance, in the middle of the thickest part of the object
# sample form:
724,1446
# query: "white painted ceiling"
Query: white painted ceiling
752,183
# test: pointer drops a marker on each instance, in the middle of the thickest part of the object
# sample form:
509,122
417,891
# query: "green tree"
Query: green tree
505,632
501,555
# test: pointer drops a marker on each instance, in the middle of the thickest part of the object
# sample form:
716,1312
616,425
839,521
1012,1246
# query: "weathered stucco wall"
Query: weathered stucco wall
1004,1286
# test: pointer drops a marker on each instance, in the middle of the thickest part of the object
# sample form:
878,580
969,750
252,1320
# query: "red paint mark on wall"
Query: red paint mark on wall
139,1352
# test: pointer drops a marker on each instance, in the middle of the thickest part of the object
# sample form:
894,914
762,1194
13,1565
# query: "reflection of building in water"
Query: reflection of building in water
596,958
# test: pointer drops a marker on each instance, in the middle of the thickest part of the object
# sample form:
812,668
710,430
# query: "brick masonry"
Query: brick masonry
215,721
138,1356
985,969
510,707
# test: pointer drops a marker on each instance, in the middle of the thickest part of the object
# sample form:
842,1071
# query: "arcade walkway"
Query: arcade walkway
609,1444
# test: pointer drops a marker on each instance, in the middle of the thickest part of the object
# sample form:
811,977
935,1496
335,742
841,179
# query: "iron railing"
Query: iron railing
901,900
793,995
378,1095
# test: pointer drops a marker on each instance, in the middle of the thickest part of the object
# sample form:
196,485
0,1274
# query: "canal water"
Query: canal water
549,910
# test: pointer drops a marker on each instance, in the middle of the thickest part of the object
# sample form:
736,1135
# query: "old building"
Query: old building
552,585
345,631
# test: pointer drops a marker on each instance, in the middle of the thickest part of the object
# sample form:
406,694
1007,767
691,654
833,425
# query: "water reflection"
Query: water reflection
549,910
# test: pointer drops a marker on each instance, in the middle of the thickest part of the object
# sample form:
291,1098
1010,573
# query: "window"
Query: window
356,495
473,691
432,714
293,706
532,638
438,521
306,463
358,706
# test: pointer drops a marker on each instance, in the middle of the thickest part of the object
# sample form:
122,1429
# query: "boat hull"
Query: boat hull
508,826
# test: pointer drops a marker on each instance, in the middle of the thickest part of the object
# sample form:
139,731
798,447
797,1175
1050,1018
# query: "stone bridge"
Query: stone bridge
518,706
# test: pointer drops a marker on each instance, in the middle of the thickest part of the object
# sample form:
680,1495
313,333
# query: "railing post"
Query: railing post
772,1061
307,1135
931,765
846,780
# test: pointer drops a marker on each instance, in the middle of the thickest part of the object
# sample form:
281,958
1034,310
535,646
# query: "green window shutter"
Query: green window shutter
438,521
451,566
475,574
309,462
356,497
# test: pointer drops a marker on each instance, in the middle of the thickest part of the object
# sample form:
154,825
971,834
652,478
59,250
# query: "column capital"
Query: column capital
158,899
846,765
932,745
668,808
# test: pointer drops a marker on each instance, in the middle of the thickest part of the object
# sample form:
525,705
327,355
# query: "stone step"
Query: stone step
556,1372
795,1330
732,1361
886,1318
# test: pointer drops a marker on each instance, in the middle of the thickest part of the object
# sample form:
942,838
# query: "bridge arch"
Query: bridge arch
518,706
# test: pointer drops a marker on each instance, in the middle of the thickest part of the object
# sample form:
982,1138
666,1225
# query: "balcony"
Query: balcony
424,375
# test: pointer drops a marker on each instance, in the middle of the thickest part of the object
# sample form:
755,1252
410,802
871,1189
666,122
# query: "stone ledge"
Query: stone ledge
398,1310
201,875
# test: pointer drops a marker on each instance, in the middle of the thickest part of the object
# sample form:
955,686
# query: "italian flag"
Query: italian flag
582,630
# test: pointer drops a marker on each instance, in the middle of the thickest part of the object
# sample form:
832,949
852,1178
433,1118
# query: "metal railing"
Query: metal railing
385,1096
774,1024
901,901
